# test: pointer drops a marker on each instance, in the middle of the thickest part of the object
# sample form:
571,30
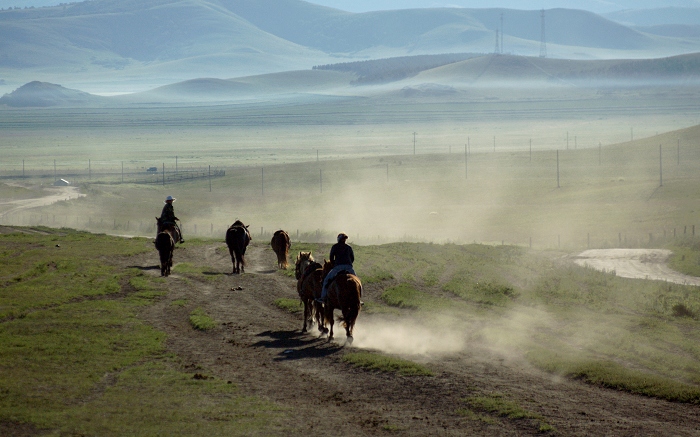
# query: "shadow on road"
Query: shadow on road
296,345
144,268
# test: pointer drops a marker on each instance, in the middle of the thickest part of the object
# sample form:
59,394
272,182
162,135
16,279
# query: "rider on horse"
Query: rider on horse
342,258
167,217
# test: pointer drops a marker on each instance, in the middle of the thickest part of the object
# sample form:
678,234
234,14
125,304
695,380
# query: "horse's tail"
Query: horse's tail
351,302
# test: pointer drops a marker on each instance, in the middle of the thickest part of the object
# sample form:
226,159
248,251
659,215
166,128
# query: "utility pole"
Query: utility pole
466,161
543,43
502,33
661,169
414,143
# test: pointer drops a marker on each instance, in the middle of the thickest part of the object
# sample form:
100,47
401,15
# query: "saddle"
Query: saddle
310,268
168,226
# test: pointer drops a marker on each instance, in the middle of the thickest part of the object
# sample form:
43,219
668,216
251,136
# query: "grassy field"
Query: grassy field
76,358
632,194
634,335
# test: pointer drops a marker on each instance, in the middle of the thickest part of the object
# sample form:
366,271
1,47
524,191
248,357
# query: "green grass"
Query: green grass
201,321
498,405
57,268
686,256
613,375
291,305
179,302
406,296
383,363
83,363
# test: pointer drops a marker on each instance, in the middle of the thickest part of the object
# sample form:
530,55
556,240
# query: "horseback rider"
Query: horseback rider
167,217
342,258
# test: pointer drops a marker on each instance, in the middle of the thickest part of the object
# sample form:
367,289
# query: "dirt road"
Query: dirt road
635,263
54,194
260,348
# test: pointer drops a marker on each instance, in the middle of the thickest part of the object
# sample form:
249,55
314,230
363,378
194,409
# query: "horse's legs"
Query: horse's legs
233,260
319,317
307,314
329,319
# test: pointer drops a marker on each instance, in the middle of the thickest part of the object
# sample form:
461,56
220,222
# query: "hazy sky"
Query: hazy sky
598,6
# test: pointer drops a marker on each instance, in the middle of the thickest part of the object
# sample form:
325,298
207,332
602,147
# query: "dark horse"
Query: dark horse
344,293
165,244
308,274
280,244
168,227
237,239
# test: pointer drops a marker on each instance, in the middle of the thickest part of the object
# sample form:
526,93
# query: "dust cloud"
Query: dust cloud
510,335
433,335
409,337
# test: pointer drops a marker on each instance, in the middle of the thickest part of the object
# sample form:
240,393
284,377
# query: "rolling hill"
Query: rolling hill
41,94
101,44
418,75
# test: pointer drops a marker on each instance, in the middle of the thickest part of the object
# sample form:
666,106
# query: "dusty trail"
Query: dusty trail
260,348
56,194
634,263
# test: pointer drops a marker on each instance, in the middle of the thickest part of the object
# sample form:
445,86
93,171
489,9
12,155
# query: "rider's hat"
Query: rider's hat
170,198
342,237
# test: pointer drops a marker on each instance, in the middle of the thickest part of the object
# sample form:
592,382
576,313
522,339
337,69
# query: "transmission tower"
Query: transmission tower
502,33
543,41
497,50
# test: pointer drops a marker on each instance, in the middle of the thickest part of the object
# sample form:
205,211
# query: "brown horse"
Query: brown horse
237,239
308,274
281,244
344,293
165,244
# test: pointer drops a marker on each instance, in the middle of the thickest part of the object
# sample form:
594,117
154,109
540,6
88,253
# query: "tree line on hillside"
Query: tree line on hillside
392,69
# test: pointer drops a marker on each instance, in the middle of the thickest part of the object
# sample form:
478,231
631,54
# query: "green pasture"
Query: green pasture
628,334
75,359
633,335
550,168
629,195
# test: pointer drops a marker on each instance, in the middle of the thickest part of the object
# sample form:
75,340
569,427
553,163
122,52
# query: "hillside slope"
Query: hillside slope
684,68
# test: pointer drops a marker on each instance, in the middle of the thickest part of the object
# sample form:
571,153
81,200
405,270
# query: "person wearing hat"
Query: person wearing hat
342,258
167,216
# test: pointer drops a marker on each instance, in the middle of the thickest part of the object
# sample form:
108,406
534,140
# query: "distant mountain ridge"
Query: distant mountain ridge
164,41
421,75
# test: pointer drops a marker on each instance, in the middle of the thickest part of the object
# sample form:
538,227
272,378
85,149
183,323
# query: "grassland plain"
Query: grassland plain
630,195
529,343
77,359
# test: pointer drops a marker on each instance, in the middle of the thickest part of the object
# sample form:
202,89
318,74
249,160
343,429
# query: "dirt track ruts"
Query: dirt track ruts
260,348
